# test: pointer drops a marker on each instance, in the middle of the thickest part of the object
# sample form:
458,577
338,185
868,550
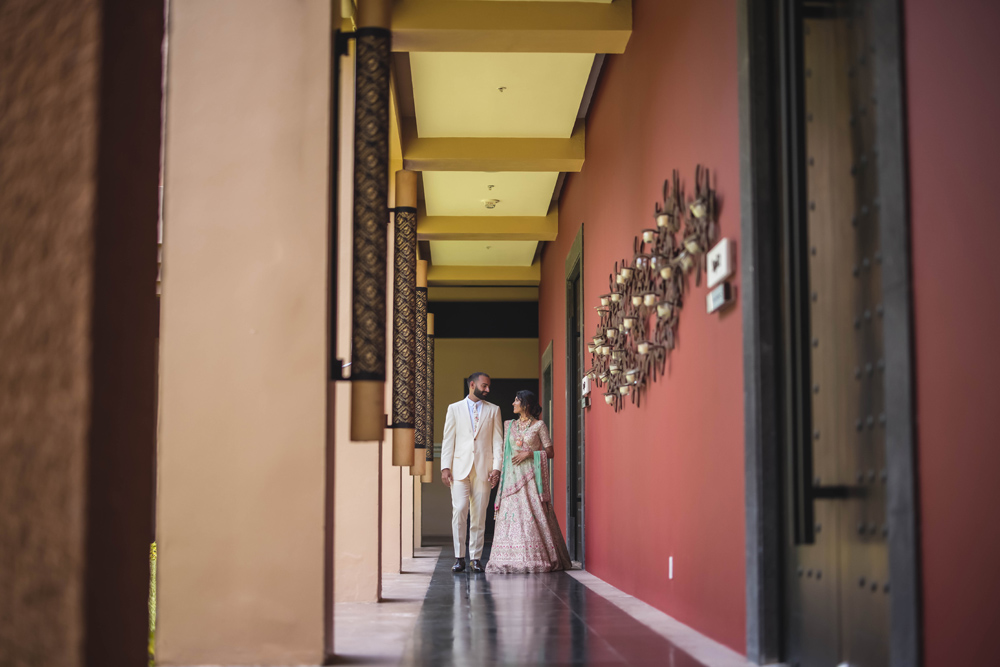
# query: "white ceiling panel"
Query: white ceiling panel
483,253
498,94
467,192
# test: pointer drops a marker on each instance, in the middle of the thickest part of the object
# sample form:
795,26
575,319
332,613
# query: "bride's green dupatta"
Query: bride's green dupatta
507,477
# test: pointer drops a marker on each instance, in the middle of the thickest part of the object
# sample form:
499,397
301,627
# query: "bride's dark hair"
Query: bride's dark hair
529,403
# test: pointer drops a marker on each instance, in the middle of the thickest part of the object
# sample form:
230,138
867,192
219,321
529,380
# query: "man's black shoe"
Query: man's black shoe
477,565
459,565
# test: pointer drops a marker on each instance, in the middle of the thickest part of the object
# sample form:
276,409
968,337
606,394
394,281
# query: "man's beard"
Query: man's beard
479,394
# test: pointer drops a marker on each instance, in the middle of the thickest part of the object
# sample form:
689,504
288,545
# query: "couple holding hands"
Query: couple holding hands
479,453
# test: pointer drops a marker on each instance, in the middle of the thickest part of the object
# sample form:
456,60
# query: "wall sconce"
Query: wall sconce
666,270
631,374
605,350
691,245
614,369
663,220
611,333
642,347
619,278
699,207
628,322
624,389
609,398
649,298
590,348
664,309
605,299
603,377
616,297
598,341
636,300
648,235
617,353
642,261
627,273
685,262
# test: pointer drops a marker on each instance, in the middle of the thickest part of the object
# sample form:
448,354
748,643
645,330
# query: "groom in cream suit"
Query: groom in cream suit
471,458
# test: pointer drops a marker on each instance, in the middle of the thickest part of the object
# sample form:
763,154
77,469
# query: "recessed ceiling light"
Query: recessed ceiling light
491,203
502,88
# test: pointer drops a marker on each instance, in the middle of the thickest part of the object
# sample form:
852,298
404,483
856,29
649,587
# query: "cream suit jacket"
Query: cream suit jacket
462,448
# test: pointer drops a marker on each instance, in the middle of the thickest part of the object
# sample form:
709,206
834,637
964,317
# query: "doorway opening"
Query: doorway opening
575,460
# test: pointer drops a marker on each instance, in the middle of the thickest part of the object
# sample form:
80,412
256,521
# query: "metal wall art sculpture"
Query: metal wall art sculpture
638,317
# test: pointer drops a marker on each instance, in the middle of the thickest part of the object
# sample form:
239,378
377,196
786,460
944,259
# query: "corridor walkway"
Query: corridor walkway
475,619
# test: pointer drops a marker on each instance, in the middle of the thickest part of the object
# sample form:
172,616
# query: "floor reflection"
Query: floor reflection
539,619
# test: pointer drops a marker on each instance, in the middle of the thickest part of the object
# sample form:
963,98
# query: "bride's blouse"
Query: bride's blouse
531,437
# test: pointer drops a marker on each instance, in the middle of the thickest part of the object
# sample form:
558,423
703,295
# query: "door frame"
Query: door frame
574,271
545,382
761,204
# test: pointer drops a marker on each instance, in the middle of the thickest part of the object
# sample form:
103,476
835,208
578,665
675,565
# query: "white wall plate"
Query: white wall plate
720,263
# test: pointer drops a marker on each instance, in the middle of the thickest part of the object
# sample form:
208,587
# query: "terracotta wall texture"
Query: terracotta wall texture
665,479
953,103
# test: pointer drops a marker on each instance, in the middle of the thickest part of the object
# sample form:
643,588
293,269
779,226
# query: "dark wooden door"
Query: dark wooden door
838,585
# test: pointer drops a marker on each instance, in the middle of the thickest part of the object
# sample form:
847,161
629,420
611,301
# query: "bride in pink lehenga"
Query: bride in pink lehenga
527,537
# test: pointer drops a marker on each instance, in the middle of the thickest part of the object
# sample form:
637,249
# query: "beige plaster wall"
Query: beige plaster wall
392,481
357,497
406,512
454,359
241,459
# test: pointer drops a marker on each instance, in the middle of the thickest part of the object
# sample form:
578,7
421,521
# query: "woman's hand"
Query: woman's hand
521,457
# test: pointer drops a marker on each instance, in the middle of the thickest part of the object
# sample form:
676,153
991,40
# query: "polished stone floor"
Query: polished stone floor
540,619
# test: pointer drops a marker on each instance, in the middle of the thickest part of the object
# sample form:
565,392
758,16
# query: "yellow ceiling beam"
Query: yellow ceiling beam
492,153
505,27
485,275
487,228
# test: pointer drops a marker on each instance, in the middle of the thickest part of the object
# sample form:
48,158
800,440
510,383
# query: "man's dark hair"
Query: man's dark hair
475,377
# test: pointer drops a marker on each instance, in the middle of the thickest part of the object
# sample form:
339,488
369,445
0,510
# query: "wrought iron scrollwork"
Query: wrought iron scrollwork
638,318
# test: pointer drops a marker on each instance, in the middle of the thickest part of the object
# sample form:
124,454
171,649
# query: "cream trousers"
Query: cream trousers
468,494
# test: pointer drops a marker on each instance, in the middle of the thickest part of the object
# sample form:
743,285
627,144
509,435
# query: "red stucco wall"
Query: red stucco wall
952,53
665,479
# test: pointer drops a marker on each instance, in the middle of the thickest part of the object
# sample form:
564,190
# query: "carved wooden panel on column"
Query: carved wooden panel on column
371,216
404,342
420,455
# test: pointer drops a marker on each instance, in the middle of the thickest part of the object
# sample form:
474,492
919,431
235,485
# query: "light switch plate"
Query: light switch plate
720,263
585,386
